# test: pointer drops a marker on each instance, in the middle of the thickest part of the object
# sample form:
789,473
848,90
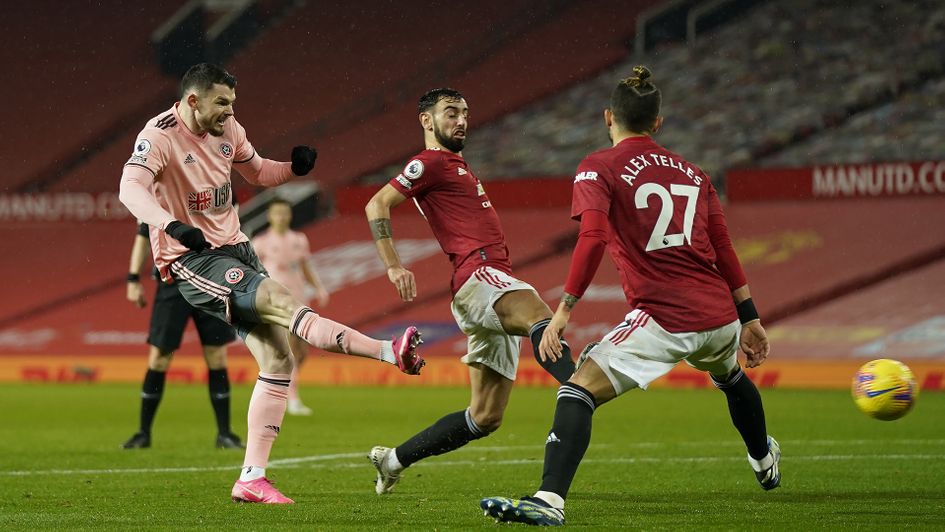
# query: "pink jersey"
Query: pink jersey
458,210
189,177
659,207
283,256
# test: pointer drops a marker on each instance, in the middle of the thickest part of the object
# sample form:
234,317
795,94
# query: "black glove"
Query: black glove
187,235
303,160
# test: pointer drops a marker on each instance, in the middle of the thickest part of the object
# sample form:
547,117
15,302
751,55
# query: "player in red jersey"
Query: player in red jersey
493,308
178,182
689,296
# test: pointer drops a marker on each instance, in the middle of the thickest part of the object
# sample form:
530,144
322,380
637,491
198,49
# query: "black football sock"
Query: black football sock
151,392
450,432
561,369
569,437
218,381
748,416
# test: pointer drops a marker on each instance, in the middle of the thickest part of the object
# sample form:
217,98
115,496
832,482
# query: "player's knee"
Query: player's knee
488,422
159,360
215,356
272,297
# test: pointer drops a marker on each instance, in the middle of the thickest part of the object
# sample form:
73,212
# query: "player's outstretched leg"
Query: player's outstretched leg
274,304
748,416
264,419
490,396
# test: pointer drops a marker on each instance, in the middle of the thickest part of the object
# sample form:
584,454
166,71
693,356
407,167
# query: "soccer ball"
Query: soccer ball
884,389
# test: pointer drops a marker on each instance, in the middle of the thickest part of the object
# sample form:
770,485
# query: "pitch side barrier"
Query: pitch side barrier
801,257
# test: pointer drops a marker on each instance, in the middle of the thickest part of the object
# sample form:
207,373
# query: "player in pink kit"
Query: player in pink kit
689,296
493,308
284,253
178,182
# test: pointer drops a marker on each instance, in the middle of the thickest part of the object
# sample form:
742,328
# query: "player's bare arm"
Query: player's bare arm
378,215
134,290
550,346
753,339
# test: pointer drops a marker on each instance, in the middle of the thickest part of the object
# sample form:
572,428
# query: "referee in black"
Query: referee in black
168,320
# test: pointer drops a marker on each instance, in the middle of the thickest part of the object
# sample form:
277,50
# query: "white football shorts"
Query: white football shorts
639,351
488,343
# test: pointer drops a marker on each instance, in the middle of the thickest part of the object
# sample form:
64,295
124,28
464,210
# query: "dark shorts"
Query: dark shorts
169,319
222,282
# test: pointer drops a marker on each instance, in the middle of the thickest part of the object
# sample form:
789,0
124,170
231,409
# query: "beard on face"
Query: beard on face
210,125
452,144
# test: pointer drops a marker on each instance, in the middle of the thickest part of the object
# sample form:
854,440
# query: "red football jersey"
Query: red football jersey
458,210
658,205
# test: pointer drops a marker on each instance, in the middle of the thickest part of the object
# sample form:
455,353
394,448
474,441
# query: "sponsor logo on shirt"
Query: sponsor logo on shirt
233,275
404,182
189,159
137,159
142,147
210,199
414,169
226,150
586,176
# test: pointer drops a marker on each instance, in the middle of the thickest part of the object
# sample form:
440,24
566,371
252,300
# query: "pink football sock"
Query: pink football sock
266,410
323,333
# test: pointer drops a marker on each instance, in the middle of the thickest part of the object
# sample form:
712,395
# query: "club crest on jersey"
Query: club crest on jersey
226,150
142,147
414,169
233,275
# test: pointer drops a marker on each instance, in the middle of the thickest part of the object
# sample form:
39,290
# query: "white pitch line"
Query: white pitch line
294,463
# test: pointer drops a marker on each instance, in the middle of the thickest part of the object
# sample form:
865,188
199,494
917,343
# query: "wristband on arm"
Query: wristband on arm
747,311
134,278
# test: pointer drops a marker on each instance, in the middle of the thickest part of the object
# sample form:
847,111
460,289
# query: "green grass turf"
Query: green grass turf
658,460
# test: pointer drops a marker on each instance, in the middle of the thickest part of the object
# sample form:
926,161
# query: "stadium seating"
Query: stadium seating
64,98
746,90
356,100
909,128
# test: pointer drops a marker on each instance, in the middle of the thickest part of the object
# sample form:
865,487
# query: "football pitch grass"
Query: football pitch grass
663,459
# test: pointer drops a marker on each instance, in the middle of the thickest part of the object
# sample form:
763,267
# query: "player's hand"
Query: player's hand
189,236
322,297
303,160
135,294
550,346
404,281
754,342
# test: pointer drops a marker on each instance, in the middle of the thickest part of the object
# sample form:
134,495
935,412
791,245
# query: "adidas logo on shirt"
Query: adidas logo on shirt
462,171
189,159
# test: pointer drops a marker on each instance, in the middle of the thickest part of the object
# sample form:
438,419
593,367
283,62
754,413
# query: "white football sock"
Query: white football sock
763,464
387,352
553,499
252,473
392,463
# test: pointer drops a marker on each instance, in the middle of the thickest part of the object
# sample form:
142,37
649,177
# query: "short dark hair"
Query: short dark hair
203,76
636,101
428,101
279,201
